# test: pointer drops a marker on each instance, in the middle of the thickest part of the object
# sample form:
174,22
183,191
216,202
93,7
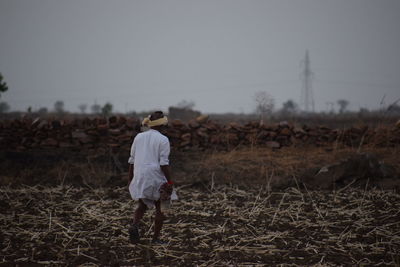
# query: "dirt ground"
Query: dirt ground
276,167
213,225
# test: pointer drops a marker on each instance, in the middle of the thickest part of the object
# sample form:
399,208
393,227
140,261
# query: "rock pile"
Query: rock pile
200,133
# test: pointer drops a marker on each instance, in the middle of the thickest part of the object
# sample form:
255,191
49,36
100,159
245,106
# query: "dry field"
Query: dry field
212,225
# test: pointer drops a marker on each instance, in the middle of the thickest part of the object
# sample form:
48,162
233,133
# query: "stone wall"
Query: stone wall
117,133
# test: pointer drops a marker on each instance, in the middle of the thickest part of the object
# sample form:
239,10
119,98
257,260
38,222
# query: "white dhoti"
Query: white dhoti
146,184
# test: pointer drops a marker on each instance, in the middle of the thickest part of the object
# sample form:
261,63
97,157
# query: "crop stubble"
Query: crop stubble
213,226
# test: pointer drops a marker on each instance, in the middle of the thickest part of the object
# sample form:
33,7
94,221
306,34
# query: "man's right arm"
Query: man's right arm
167,172
164,161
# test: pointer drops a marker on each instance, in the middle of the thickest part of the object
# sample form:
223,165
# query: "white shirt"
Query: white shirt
149,151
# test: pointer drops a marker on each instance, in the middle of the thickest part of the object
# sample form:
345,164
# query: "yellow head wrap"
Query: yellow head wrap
159,122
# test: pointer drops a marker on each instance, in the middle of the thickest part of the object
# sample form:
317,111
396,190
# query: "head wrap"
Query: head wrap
158,122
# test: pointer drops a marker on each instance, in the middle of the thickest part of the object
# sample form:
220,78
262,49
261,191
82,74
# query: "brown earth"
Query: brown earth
277,169
213,226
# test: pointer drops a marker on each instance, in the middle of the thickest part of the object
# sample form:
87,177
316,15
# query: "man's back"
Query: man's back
150,148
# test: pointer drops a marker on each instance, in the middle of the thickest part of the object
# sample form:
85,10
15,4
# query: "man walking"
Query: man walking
149,172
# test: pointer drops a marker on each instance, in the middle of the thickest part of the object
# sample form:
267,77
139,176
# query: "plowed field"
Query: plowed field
208,226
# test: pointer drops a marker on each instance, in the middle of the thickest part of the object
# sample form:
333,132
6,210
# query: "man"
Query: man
148,172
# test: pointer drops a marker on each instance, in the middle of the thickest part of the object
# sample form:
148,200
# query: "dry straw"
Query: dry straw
225,226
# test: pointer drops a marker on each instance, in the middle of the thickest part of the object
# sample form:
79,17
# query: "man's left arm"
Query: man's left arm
164,159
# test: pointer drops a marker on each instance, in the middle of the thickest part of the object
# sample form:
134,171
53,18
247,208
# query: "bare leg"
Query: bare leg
158,220
134,235
139,212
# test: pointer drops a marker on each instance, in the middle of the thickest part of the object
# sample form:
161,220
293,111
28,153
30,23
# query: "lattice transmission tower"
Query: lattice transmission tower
307,98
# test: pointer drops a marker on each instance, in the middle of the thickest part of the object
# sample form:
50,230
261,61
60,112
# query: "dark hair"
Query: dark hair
156,115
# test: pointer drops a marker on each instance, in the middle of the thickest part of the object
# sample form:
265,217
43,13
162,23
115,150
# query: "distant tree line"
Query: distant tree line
264,108
97,109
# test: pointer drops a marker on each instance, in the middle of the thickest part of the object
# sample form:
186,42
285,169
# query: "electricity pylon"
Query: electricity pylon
307,99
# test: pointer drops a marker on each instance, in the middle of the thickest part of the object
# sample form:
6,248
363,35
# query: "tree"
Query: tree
343,103
42,111
107,109
289,107
59,107
4,107
3,85
95,108
186,104
394,108
264,104
82,108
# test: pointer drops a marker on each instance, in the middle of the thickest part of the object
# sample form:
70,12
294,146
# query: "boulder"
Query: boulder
358,169
202,119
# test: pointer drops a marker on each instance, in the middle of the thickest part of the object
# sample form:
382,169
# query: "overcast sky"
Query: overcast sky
143,55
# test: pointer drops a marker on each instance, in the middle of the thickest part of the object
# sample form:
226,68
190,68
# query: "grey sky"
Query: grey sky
141,55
